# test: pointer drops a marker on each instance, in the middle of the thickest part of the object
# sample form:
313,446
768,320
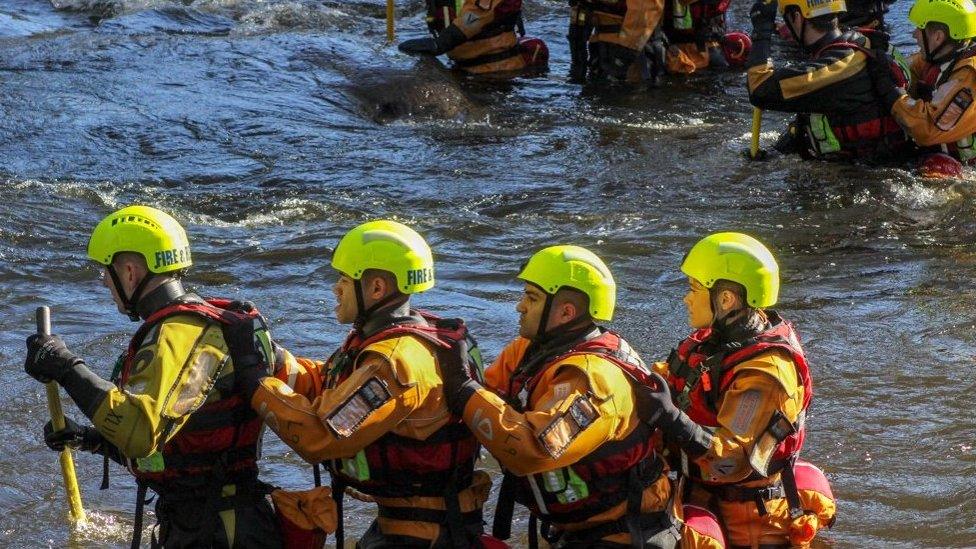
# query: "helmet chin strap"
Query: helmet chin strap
797,36
129,303
930,55
362,312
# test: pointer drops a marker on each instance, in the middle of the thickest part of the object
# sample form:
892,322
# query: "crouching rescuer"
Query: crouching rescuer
480,37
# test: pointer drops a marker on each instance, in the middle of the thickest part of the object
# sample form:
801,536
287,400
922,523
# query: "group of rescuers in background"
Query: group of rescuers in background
697,451
855,96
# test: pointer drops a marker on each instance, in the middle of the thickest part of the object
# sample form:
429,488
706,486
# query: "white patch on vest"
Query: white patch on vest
347,418
559,434
285,389
745,411
483,425
953,112
561,390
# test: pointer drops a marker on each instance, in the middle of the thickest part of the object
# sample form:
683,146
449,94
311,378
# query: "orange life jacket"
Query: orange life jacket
610,473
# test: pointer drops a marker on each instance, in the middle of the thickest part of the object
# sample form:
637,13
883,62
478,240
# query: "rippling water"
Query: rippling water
271,127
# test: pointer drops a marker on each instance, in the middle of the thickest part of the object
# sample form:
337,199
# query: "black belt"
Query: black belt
488,58
608,29
742,493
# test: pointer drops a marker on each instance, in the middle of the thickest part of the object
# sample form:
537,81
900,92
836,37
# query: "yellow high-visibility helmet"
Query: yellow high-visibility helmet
814,8
737,257
574,267
144,230
386,246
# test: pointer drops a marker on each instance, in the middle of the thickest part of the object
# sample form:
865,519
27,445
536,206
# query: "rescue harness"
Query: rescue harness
701,370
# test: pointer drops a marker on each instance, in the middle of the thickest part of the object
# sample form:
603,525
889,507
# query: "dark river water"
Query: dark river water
270,127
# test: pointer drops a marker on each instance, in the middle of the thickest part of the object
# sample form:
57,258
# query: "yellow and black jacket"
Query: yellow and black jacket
833,87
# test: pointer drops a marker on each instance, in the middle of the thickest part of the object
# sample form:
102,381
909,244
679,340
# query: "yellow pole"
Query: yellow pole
389,21
43,318
756,127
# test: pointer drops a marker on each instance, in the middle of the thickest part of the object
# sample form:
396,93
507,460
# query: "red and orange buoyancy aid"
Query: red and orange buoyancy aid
219,442
615,472
879,134
701,372
491,40
396,466
699,377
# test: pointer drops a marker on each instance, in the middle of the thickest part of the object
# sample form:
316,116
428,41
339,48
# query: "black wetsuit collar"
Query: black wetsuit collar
827,39
558,342
166,293
745,326
397,314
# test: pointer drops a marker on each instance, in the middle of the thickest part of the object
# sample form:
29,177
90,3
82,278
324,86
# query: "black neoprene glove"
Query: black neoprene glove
458,385
48,358
885,88
655,407
445,41
87,439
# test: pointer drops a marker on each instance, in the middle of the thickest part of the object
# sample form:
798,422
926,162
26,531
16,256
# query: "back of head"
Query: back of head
820,14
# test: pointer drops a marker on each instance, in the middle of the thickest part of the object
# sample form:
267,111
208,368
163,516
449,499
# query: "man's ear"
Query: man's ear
377,288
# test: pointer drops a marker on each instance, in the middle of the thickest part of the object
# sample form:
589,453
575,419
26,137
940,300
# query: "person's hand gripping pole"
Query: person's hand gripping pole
43,317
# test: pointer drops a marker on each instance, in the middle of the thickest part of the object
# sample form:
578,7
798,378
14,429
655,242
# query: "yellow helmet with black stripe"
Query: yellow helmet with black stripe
814,8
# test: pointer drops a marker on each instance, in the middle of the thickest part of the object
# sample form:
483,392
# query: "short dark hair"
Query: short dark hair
571,295
386,276
722,285
138,258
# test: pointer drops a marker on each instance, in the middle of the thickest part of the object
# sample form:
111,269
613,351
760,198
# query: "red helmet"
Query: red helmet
534,51
736,47
939,166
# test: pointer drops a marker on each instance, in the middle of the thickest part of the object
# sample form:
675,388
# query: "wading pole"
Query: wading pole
389,21
756,127
43,318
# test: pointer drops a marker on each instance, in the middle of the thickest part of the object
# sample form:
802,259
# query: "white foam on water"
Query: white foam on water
679,123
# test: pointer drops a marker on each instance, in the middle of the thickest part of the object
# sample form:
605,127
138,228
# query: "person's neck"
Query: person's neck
394,313
814,39
159,292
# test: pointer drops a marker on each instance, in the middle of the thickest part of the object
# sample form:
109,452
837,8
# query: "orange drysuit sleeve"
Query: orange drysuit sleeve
317,428
949,117
303,375
517,439
640,20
